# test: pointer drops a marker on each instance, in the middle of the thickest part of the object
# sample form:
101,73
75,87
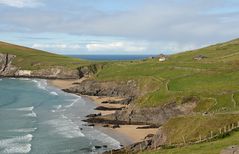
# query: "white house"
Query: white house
162,58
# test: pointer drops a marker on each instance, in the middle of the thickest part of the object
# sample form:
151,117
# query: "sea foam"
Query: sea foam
17,148
24,130
65,127
54,93
17,144
26,108
32,114
73,103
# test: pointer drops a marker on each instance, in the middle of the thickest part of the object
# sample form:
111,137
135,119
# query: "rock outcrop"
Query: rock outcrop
6,67
231,150
155,115
128,90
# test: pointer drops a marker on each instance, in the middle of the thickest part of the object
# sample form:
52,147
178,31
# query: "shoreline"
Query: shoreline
126,134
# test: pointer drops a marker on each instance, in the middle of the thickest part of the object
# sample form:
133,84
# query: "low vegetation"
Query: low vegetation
32,59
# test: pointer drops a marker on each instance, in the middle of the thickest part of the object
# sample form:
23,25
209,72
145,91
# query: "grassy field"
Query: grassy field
214,81
216,77
32,59
204,148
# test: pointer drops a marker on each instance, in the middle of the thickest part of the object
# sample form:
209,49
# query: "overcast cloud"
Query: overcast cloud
135,26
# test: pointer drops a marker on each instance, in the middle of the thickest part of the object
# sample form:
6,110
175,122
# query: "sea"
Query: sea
37,118
111,57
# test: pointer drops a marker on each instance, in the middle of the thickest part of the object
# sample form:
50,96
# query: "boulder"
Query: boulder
234,149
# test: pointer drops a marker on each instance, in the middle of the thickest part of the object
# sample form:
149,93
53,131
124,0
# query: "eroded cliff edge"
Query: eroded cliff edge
8,69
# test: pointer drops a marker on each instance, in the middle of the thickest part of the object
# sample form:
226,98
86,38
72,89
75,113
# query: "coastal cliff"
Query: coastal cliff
8,69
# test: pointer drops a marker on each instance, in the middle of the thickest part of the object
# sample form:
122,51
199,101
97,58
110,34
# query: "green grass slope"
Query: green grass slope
215,77
204,148
31,59
214,81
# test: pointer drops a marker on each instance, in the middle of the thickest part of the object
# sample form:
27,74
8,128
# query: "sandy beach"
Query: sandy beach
64,84
126,134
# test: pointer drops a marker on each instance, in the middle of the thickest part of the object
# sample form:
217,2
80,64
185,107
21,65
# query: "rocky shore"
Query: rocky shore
124,113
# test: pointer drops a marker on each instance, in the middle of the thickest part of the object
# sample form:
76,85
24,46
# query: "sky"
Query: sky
118,26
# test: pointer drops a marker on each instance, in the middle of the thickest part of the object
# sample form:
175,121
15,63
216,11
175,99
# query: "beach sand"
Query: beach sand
98,101
63,84
126,134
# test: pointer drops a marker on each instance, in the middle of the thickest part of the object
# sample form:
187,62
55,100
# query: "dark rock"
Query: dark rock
155,115
148,127
115,126
106,88
123,102
91,125
106,125
107,108
149,136
110,121
98,147
234,149
105,146
93,115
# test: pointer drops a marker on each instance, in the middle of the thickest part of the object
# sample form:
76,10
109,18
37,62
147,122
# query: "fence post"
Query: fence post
232,126
200,138
184,140
225,129
140,147
220,131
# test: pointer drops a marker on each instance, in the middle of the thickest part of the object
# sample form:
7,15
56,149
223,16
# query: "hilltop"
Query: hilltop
29,59
21,61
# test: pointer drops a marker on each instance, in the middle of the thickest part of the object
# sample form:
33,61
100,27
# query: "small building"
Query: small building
200,57
162,58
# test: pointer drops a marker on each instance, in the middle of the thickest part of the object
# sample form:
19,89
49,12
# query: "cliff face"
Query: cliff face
54,72
130,91
156,115
7,69
106,88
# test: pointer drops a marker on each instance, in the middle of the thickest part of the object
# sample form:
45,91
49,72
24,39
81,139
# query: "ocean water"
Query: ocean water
36,118
111,57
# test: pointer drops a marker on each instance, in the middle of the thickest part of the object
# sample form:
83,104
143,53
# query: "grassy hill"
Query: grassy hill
30,59
214,81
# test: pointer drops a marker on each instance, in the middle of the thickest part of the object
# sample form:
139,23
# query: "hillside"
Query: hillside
29,59
18,61
212,83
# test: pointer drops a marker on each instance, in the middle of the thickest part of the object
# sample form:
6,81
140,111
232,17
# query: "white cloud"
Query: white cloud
60,46
21,3
117,46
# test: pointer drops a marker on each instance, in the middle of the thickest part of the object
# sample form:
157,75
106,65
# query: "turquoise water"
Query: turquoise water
39,119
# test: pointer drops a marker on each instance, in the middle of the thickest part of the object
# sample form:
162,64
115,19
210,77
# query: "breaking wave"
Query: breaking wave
19,144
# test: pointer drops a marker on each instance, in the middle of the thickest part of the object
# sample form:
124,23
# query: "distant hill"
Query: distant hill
223,51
